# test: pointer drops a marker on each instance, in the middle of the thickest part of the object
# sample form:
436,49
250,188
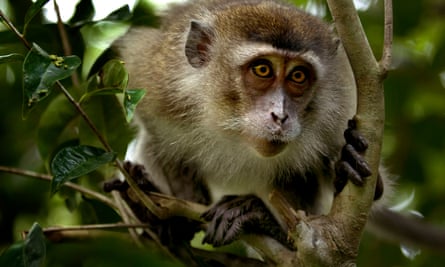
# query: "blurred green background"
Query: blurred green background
414,144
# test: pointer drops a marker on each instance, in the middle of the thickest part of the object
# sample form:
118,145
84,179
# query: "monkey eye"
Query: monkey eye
299,75
262,69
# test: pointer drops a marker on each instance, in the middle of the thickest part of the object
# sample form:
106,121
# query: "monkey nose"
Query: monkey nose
279,118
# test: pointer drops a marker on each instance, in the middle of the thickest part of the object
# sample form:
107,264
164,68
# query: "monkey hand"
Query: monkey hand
138,173
235,215
352,166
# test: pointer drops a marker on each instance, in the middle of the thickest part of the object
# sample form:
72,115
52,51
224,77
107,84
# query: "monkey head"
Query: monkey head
277,76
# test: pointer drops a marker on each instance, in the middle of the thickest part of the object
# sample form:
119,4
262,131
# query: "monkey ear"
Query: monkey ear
197,47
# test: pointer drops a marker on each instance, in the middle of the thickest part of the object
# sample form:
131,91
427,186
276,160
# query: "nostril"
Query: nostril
280,118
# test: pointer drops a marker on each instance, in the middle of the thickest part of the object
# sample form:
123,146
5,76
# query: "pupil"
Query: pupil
298,76
263,70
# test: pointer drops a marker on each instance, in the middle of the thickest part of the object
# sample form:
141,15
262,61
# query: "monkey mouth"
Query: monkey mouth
268,148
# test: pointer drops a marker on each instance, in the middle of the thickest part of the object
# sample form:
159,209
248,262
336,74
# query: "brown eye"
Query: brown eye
262,69
299,75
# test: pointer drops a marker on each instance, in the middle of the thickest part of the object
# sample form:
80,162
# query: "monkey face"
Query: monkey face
277,89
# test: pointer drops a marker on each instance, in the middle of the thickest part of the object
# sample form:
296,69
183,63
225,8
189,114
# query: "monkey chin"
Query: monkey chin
268,148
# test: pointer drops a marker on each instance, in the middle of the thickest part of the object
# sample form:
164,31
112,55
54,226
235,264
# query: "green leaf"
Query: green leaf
41,71
28,253
113,79
11,58
98,37
13,256
34,247
114,74
84,13
58,125
32,11
108,116
131,99
72,162
122,13
99,92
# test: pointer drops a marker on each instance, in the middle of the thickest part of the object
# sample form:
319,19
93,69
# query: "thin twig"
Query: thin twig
62,31
65,42
126,214
85,117
81,231
385,62
125,217
95,227
76,187
11,26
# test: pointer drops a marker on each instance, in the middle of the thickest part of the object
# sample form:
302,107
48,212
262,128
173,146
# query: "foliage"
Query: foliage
414,142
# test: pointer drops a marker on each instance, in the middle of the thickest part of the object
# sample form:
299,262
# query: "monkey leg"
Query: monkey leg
352,166
235,215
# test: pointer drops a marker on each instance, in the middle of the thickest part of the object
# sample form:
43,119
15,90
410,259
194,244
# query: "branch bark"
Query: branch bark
370,106
333,240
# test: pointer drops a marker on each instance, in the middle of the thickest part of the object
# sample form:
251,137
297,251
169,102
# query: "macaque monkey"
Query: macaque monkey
245,97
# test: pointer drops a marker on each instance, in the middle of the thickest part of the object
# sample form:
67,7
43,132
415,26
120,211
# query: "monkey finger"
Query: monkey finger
341,178
229,207
354,138
347,173
115,184
379,187
350,155
140,176
210,234
352,123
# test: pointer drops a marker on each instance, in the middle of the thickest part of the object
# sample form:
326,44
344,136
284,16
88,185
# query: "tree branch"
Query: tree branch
11,26
76,187
56,234
333,240
370,109
65,41
385,62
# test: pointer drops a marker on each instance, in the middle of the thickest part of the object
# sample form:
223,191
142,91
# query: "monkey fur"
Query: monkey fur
245,97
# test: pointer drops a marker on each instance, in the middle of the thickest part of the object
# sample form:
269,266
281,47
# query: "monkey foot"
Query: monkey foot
234,215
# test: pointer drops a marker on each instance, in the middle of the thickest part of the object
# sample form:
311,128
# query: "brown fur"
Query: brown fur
195,114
